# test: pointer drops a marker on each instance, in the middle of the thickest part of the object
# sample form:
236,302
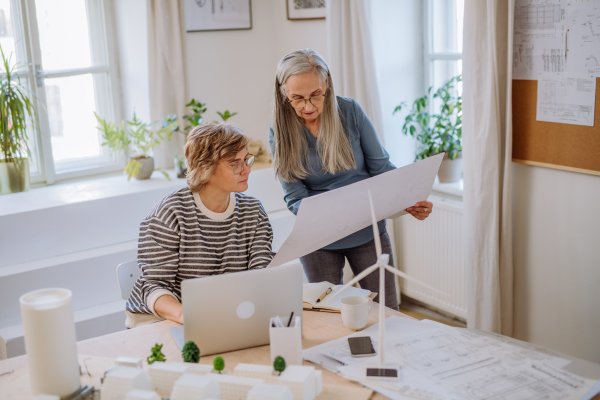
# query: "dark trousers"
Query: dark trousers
328,265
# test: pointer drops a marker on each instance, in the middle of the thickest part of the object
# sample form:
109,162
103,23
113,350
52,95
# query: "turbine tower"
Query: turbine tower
382,264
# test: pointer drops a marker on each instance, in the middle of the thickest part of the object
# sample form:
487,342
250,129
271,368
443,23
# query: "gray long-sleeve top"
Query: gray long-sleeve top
371,159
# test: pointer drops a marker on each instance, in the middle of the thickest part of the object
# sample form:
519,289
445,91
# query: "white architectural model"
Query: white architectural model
195,387
182,381
121,380
129,362
266,391
301,381
139,394
164,375
264,372
235,387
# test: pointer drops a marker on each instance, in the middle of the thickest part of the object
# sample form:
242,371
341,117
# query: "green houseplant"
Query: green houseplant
137,139
16,111
440,131
198,109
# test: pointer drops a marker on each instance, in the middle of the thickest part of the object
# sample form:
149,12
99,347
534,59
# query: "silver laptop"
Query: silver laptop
233,311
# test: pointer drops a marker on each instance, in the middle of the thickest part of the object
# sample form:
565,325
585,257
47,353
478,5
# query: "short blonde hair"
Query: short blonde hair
206,145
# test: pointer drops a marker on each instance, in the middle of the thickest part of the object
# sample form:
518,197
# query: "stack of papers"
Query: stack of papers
439,362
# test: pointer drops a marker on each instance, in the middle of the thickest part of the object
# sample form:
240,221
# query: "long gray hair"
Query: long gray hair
291,145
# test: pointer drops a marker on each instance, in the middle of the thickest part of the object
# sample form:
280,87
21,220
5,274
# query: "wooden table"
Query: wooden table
319,327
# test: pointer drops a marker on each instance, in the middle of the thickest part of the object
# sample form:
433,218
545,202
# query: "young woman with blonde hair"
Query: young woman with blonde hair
206,228
321,142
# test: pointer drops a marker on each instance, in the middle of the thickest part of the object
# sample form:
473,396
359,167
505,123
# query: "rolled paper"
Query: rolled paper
50,341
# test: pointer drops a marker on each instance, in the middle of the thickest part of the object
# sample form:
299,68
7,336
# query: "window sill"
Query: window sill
452,190
98,188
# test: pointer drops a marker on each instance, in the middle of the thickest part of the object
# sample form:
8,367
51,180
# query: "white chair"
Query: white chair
127,274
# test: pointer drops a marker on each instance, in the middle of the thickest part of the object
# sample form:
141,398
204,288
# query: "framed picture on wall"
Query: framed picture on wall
217,15
305,9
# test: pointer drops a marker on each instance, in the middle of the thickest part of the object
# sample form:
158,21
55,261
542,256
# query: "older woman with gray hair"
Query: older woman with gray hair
320,142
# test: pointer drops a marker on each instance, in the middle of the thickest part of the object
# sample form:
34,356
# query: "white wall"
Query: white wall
556,222
235,70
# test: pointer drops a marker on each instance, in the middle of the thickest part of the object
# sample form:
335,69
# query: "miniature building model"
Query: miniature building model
121,380
234,387
266,391
301,381
195,387
46,397
264,372
198,369
318,382
164,375
129,362
139,394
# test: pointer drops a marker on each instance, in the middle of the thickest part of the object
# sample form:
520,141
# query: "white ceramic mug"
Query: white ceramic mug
355,311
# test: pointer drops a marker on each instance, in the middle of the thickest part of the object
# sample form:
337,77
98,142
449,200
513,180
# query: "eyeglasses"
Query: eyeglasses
316,101
239,167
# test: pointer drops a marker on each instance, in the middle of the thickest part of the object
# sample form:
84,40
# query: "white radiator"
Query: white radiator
431,251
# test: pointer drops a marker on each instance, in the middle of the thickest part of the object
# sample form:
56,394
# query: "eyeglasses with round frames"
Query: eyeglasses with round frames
239,167
316,101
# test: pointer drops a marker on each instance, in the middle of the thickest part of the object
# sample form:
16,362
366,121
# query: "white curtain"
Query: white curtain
351,57
487,145
168,88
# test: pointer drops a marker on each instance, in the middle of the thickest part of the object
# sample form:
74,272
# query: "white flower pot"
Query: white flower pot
147,168
451,170
12,178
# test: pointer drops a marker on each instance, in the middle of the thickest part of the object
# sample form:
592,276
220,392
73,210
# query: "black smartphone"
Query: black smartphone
361,346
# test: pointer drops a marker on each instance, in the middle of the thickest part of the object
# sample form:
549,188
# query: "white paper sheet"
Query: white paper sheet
328,217
439,362
539,43
583,37
566,98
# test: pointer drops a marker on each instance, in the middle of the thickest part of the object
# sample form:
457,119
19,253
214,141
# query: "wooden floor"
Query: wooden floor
408,310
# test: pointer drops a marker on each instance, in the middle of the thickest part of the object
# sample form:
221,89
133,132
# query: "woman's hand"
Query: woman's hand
421,210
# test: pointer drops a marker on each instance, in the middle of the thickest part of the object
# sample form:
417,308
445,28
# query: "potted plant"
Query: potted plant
16,110
137,139
440,132
195,118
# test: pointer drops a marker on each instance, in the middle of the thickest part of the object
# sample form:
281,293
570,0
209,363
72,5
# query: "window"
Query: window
62,50
443,39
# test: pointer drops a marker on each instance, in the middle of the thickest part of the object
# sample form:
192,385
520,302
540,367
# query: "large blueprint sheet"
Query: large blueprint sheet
328,217
442,363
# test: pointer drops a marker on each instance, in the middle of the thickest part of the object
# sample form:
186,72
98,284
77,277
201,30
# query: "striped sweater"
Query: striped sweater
182,239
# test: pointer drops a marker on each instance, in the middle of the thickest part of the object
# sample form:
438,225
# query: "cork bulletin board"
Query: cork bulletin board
568,147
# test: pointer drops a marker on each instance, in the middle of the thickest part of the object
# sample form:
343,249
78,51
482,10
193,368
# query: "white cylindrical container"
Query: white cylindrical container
50,342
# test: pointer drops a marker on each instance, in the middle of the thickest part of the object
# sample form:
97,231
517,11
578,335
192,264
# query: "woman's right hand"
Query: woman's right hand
168,307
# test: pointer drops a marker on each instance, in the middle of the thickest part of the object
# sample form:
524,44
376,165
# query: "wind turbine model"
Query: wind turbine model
382,263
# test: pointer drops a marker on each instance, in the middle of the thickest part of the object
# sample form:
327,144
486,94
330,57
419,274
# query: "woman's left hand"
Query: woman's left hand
421,210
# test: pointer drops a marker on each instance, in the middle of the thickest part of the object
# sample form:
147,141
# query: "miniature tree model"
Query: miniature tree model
156,355
219,364
190,352
279,364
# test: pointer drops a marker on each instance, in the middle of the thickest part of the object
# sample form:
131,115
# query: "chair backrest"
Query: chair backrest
127,274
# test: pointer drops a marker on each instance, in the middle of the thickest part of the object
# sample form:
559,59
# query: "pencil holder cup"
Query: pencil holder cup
287,342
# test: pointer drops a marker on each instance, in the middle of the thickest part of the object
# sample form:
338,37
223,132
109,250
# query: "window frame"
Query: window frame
429,55
23,13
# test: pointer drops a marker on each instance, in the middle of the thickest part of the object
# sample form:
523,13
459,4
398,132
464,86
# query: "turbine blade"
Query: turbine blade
356,279
375,228
410,278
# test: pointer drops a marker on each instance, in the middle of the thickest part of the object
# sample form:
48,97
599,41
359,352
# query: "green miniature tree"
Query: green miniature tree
156,355
279,364
219,364
190,352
